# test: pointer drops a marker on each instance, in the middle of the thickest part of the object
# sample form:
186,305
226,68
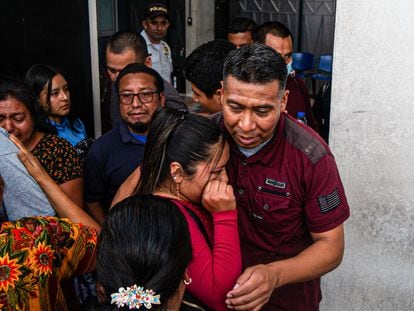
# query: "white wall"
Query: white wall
372,137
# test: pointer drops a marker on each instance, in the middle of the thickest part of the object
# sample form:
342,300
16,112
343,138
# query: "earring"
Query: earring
187,282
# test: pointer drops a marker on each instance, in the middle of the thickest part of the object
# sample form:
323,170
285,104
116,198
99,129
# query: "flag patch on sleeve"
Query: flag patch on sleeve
329,202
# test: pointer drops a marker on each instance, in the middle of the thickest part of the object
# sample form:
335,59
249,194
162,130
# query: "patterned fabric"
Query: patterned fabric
36,253
58,158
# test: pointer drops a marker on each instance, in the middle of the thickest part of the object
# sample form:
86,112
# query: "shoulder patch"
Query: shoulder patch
329,202
304,141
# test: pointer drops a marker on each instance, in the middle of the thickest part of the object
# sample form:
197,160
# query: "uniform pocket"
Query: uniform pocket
271,207
285,194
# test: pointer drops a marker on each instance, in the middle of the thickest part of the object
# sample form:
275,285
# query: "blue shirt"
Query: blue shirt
142,138
64,130
110,160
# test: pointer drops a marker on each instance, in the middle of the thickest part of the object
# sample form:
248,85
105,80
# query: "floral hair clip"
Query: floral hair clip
134,297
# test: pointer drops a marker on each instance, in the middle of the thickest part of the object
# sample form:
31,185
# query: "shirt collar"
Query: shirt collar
60,126
265,155
126,136
145,36
252,151
147,39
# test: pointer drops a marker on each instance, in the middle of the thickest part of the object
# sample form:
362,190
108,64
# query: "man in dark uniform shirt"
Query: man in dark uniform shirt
289,195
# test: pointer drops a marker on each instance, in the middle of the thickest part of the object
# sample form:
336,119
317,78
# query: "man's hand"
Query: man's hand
218,196
253,289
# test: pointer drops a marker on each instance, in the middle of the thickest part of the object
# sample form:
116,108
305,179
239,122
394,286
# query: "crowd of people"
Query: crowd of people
237,207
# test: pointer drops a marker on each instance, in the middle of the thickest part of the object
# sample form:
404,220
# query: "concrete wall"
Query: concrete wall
372,137
202,29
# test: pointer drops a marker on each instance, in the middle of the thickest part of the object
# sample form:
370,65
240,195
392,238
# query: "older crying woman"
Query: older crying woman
19,117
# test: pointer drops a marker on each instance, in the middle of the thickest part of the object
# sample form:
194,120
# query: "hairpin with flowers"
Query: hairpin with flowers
134,297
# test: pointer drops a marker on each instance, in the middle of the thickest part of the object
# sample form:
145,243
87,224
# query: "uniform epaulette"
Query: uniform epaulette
304,141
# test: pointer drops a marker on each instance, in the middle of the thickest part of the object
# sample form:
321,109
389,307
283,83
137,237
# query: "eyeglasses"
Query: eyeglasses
143,97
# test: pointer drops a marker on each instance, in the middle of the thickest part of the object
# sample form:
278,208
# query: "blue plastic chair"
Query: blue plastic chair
302,63
324,72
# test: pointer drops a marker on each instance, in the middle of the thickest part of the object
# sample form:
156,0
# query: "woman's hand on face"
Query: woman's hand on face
29,161
218,196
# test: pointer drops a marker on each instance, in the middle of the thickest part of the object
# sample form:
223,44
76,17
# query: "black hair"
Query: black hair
175,135
141,68
11,86
40,76
242,24
257,64
144,241
122,41
274,28
204,66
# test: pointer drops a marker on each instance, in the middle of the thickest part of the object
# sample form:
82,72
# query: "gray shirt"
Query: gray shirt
22,196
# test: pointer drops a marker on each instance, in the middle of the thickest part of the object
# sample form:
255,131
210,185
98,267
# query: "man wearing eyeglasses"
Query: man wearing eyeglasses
123,48
116,154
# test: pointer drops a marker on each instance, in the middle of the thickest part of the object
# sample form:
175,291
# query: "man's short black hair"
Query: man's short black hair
257,64
274,28
242,24
204,66
122,41
141,68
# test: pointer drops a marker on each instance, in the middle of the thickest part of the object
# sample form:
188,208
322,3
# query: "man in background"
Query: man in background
123,48
155,24
278,36
204,69
241,30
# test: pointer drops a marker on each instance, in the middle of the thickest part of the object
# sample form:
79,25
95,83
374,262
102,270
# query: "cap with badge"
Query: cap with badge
156,9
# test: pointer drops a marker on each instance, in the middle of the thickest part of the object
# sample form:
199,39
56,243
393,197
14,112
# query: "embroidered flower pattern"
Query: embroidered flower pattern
9,273
35,252
42,259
